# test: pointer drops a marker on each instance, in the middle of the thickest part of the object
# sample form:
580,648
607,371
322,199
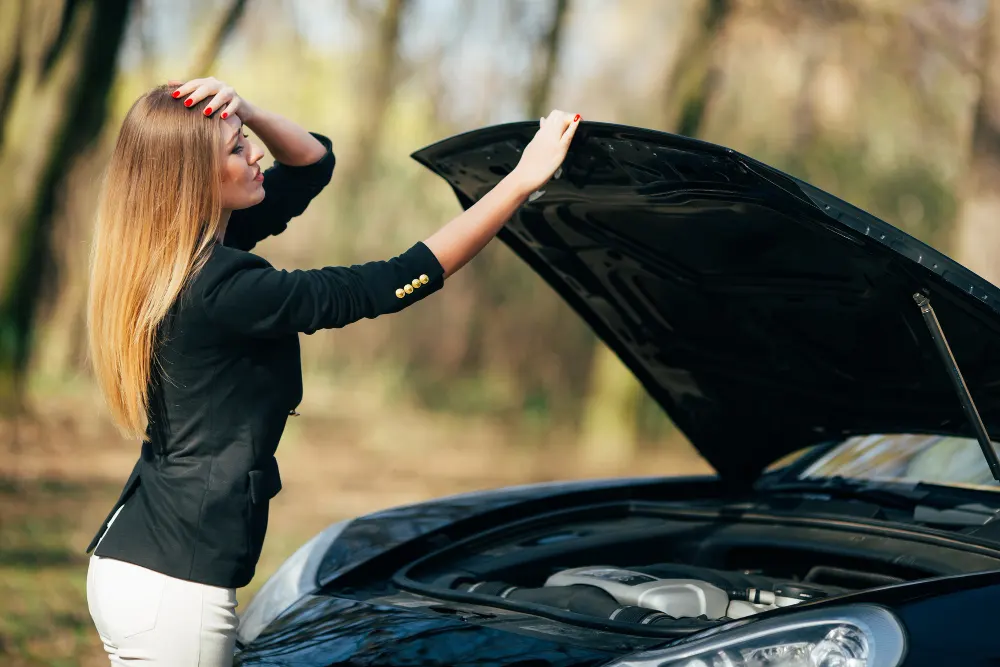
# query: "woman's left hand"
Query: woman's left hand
225,98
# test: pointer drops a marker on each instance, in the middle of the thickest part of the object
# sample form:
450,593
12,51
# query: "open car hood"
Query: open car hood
762,313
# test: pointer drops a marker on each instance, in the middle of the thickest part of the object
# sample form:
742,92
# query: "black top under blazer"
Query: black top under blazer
230,375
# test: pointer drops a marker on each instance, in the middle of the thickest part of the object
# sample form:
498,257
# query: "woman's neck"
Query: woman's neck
223,223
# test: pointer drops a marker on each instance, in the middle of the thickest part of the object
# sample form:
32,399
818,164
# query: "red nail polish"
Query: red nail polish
576,118
176,94
225,115
188,102
208,111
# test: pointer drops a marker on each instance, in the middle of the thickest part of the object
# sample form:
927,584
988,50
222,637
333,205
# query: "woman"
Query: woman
195,346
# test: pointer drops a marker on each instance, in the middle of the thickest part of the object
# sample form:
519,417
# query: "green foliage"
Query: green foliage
800,95
912,196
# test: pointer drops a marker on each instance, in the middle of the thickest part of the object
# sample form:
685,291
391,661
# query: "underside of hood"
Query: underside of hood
763,314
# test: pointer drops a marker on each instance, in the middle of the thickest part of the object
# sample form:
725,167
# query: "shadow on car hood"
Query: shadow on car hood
762,313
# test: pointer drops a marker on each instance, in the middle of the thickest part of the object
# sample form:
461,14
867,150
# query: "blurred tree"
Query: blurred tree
59,351
57,74
229,18
10,46
978,231
500,342
541,83
377,83
876,136
610,411
503,344
362,235
694,76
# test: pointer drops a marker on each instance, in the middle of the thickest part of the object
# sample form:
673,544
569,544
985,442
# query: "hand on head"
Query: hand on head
223,97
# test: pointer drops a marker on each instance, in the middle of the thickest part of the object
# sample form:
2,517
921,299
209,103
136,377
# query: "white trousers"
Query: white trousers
147,618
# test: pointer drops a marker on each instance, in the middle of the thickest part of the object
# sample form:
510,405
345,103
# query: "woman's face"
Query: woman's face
242,178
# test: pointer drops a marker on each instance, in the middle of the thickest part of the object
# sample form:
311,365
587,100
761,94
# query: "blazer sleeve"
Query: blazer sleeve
242,293
287,192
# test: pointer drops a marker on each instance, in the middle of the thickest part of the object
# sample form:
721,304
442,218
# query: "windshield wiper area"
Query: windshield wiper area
924,503
964,397
904,498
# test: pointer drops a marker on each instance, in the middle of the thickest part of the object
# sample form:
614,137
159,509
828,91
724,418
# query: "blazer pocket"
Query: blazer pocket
265,482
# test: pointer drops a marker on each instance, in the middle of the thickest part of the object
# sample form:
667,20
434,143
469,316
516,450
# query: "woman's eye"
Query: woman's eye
239,148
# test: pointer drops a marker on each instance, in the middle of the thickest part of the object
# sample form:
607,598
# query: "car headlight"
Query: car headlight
850,636
295,579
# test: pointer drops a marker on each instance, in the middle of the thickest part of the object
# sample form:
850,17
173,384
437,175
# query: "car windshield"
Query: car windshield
906,458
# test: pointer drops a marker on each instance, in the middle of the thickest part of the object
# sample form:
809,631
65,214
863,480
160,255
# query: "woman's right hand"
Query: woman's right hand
547,150
461,239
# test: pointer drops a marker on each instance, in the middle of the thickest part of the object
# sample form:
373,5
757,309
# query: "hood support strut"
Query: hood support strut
964,397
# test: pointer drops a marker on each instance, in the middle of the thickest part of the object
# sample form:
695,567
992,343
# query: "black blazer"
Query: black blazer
229,375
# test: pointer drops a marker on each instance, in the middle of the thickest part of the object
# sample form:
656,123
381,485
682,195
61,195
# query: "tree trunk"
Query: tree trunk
60,350
609,434
978,225
216,39
65,63
11,15
610,429
357,233
374,104
541,84
693,79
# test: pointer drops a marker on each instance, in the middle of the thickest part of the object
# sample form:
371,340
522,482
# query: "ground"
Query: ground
64,469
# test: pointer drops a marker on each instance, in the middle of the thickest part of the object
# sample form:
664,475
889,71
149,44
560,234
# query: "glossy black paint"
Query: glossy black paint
956,628
420,526
323,629
329,631
762,313
949,621
946,616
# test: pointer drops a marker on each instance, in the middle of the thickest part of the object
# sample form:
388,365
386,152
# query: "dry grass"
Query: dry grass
67,468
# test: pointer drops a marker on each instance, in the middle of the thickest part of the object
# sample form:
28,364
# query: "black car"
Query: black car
841,377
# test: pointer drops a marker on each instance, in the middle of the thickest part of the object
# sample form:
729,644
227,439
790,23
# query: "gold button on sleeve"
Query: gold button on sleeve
400,293
424,279
408,288
416,283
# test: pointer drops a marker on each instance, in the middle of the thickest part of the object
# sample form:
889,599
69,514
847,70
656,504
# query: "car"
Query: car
841,377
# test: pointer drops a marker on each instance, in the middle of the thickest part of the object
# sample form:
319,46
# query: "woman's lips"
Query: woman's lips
259,176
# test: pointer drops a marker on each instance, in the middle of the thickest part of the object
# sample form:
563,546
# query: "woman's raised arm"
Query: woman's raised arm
287,142
463,237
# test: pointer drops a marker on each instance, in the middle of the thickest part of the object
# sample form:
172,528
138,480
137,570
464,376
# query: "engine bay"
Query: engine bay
659,595
657,569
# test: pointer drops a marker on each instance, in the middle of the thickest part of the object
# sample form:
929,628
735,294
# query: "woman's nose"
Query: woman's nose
256,153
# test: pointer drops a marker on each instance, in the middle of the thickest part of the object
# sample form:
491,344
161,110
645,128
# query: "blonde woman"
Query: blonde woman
194,342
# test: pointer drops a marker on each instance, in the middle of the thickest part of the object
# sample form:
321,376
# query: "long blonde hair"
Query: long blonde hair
157,218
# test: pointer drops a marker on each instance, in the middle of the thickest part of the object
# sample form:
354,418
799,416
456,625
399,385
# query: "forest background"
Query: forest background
893,105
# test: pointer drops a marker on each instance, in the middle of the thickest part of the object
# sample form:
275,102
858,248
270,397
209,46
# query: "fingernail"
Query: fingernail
188,102
208,111
576,118
225,115
176,94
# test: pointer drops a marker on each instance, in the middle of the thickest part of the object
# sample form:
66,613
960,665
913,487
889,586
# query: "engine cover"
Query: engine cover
713,596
